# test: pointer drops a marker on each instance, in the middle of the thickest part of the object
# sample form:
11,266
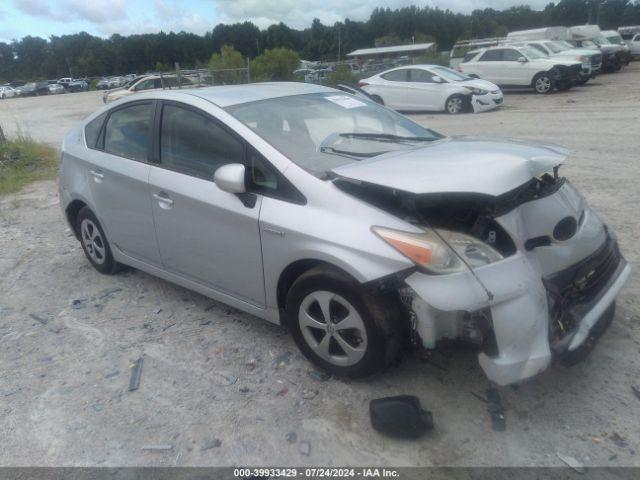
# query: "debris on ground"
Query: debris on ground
400,416
168,327
231,379
496,410
283,392
319,376
618,440
157,448
43,321
77,304
244,390
282,361
291,437
209,444
571,462
305,447
309,394
136,372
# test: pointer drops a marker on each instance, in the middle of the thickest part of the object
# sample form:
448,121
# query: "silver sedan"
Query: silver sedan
353,226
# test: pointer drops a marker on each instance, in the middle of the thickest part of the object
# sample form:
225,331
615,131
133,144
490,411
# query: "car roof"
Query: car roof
227,95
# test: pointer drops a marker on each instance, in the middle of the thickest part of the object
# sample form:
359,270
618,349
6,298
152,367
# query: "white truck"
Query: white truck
587,36
631,35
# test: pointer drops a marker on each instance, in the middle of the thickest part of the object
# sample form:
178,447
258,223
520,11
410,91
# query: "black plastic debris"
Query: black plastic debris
136,372
400,416
496,410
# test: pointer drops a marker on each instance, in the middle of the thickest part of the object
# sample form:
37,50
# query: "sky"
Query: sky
43,18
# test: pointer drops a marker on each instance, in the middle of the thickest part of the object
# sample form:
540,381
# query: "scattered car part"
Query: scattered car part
136,373
496,410
400,416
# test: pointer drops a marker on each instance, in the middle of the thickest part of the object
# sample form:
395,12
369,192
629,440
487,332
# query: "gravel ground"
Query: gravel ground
220,387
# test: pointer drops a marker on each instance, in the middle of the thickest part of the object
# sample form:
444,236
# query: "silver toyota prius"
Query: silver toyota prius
358,229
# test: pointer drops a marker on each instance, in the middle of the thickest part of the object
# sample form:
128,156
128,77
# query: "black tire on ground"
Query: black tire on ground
543,83
379,314
94,242
564,86
377,99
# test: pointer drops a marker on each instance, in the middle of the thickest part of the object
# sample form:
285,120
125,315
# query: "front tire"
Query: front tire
94,242
543,83
340,327
455,104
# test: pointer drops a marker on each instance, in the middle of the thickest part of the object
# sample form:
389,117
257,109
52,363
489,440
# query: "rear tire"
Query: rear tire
318,304
543,83
94,242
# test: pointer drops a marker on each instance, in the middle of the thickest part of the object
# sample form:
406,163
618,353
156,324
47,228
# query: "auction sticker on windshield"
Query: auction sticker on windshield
345,102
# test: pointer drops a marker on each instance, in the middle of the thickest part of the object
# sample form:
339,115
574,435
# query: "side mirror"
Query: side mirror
230,178
436,79
522,60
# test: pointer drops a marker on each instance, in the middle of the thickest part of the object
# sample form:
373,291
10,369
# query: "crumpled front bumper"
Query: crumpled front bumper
546,299
489,101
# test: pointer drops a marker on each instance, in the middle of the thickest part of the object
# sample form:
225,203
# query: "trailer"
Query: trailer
547,33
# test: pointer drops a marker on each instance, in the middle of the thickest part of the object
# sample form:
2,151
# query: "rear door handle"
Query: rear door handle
163,200
98,176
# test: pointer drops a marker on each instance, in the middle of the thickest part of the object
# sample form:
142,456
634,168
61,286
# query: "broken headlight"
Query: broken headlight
440,252
477,91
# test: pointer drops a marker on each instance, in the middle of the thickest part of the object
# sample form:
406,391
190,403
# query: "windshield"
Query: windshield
615,39
321,131
450,74
532,53
563,45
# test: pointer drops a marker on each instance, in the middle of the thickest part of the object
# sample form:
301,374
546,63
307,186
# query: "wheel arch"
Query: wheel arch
294,270
71,211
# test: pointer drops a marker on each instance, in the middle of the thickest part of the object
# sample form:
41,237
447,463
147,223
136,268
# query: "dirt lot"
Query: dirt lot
220,387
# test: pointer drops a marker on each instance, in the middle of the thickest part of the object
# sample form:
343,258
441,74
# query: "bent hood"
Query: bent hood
489,166
479,83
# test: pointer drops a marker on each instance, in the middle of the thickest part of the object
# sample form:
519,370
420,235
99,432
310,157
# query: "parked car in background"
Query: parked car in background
77,85
28,89
590,36
631,35
615,38
115,82
521,67
7,92
416,237
42,88
102,84
56,88
591,59
65,81
432,88
145,83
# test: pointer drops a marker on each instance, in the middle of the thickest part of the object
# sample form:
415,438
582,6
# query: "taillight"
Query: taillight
362,84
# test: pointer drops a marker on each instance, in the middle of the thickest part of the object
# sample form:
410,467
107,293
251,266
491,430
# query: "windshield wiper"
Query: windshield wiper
386,137
349,154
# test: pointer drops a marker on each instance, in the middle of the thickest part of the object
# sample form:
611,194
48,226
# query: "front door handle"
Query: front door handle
97,175
163,200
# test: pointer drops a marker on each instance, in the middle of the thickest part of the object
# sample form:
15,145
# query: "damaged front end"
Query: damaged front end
546,292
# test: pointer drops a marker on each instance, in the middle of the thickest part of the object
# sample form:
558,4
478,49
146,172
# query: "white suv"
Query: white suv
509,66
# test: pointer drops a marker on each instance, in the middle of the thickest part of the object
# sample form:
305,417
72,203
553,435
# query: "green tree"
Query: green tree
275,64
228,60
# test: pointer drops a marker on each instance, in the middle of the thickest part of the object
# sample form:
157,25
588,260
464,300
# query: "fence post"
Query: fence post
248,71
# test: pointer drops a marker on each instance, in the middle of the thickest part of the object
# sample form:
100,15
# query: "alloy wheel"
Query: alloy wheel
332,328
543,84
454,105
93,241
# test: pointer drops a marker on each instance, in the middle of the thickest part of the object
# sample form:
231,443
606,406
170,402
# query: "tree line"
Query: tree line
83,54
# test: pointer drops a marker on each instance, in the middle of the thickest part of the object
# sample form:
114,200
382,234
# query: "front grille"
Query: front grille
596,60
497,101
574,291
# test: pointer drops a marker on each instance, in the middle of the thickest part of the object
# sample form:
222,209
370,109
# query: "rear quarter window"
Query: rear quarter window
92,130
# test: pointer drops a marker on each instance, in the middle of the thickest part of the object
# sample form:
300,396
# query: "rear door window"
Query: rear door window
126,133
492,56
511,55
396,75
92,130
